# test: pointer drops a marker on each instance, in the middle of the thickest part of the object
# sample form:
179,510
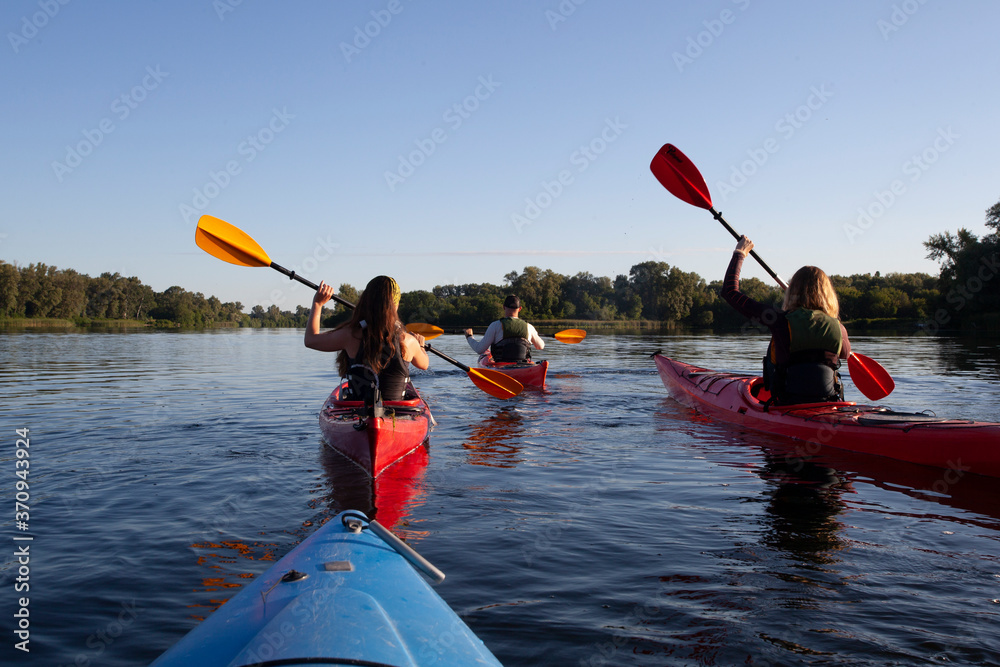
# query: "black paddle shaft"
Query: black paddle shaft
427,346
753,253
308,283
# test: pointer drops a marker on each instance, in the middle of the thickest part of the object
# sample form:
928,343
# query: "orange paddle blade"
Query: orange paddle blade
230,244
428,331
571,336
869,377
495,383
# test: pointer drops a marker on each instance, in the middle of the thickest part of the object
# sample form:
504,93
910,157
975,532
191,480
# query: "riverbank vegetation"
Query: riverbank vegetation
964,295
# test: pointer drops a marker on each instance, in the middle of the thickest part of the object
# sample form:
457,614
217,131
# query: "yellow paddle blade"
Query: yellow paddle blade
495,383
428,331
571,336
230,244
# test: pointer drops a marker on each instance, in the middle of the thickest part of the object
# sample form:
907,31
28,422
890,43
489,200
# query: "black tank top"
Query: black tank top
391,380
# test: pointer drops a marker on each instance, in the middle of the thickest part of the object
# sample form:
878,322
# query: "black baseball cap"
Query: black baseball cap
511,302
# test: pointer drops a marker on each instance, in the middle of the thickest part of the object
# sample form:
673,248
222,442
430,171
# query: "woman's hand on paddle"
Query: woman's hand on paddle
468,332
323,294
413,350
744,246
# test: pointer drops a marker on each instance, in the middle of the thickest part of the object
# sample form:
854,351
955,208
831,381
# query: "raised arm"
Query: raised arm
328,341
731,285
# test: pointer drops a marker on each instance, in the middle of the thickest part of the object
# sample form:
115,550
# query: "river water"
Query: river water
597,522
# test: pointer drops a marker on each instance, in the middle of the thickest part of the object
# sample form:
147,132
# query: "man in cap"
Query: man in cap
508,339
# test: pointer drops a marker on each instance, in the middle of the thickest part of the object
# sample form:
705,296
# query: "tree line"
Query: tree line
651,291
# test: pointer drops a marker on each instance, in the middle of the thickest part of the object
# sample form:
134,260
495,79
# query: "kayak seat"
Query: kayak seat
758,391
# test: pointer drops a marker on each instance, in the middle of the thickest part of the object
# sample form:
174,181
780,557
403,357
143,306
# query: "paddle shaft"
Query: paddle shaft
461,331
308,283
753,253
344,302
429,348
231,244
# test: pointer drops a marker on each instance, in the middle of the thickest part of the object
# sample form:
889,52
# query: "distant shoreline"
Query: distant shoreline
987,327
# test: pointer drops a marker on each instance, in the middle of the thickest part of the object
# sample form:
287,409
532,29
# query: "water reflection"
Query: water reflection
220,559
391,497
843,470
495,441
969,355
802,509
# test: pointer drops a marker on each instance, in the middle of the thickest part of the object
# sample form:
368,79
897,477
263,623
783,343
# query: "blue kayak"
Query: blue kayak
344,596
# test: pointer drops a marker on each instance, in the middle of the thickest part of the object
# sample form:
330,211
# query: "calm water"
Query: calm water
598,522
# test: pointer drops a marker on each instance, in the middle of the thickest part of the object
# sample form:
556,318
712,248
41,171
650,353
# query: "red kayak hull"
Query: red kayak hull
384,440
957,445
529,374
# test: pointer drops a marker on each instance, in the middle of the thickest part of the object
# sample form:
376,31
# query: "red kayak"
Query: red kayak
954,444
528,373
375,443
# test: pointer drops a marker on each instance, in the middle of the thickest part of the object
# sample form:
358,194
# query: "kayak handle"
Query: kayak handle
401,547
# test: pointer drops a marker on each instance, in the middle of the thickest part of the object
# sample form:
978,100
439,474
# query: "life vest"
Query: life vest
810,374
514,345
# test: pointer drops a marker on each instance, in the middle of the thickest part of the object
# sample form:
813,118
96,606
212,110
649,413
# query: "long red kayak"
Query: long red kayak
953,444
378,442
528,373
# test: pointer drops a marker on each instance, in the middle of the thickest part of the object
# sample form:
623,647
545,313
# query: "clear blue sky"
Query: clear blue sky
409,150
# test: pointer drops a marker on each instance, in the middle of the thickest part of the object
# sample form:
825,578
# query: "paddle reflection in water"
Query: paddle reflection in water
390,498
495,441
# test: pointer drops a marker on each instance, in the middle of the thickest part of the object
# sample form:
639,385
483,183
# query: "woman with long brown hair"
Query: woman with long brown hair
807,339
375,350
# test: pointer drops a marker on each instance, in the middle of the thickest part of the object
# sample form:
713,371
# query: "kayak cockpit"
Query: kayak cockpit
754,394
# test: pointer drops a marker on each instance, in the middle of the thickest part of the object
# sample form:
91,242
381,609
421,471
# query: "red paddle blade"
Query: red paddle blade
679,175
869,377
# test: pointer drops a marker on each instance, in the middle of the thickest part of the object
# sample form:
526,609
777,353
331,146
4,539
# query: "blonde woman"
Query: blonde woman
807,339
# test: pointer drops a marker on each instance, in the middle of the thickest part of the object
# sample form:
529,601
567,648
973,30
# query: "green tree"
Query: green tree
10,278
970,267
